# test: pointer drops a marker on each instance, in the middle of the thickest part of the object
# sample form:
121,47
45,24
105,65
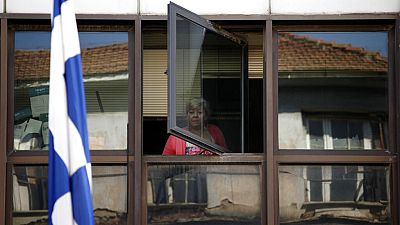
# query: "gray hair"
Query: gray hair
198,103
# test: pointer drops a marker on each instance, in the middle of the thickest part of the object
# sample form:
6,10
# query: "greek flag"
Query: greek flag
69,172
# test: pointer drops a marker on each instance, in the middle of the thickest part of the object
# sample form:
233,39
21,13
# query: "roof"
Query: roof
108,59
302,53
296,53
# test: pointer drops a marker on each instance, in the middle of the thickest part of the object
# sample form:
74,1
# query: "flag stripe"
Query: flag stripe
62,212
80,198
76,108
56,8
58,174
68,26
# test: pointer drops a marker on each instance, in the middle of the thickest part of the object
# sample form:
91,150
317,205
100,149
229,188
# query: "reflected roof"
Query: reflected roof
302,53
296,53
110,59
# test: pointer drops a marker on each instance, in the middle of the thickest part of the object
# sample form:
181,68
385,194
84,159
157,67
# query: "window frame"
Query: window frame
40,158
227,158
173,12
341,26
287,157
83,26
271,158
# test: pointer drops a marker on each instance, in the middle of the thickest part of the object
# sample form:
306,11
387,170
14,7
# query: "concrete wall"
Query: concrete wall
209,7
81,6
333,7
107,130
110,187
291,192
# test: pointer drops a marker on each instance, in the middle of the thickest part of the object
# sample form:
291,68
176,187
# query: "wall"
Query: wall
107,130
81,6
209,7
333,7
110,188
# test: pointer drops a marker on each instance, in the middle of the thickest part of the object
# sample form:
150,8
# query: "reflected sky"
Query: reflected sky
372,41
34,40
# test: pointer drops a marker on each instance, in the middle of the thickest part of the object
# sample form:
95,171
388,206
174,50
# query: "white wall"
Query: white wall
207,7
107,130
210,7
81,6
334,7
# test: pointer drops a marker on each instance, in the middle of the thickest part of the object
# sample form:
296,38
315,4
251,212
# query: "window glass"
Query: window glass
339,134
316,134
343,134
155,90
212,194
333,90
30,194
352,194
206,87
105,67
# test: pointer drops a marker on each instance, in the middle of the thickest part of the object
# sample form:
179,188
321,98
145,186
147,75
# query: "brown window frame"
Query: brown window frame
270,159
38,158
334,157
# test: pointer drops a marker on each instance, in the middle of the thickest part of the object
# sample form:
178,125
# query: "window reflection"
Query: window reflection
343,133
334,194
30,195
208,67
105,67
212,194
333,90
155,93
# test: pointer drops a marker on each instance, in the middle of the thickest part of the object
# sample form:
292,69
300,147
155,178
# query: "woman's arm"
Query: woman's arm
170,146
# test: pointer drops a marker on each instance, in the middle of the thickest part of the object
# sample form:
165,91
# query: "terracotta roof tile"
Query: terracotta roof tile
296,53
99,60
301,53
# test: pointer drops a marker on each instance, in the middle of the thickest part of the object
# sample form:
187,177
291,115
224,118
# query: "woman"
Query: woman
197,111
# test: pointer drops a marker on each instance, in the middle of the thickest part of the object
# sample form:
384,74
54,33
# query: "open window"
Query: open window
207,79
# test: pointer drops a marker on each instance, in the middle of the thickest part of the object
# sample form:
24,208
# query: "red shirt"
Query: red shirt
177,146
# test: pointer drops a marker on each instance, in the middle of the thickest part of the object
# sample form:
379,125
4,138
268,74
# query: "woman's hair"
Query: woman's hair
198,103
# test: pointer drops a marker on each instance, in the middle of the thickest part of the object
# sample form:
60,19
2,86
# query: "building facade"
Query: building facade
304,95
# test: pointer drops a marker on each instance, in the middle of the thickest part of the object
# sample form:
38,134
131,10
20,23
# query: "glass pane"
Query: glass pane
356,135
333,76
339,134
105,67
316,133
30,194
208,86
203,194
154,96
378,139
334,195
155,89
31,90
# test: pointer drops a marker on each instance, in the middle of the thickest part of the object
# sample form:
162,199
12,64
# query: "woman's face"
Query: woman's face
196,117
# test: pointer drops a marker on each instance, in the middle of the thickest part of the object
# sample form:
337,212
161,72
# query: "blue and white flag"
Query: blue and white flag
69,172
